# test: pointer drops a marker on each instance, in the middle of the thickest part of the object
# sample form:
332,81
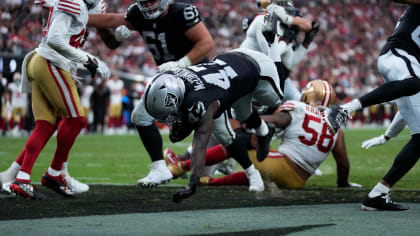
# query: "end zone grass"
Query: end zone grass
123,160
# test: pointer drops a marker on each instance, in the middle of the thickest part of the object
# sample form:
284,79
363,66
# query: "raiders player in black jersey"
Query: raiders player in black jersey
176,37
399,64
197,97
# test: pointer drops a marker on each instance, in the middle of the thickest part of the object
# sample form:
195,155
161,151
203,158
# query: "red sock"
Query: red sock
2,124
11,124
66,136
214,155
36,141
117,122
22,124
238,178
19,159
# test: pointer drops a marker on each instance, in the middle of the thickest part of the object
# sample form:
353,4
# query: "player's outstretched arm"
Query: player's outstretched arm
397,125
279,119
203,42
343,165
107,20
108,38
198,155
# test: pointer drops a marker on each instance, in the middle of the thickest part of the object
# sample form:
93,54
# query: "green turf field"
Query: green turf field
123,160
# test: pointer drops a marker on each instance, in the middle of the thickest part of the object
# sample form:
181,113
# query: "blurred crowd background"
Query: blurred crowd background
344,53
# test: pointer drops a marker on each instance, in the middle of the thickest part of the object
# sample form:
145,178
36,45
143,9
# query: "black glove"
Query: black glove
92,66
186,191
309,36
179,131
291,33
270,27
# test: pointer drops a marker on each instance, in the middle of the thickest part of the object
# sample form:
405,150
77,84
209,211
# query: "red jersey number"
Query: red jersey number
318,139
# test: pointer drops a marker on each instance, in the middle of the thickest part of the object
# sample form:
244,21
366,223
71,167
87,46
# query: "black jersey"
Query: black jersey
165,36
407,33
226,79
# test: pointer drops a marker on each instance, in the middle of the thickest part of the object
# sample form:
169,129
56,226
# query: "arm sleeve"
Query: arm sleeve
59,27
292,57
397,125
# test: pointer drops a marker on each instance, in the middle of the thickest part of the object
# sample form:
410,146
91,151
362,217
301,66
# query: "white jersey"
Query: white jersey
307,140
64,34
85,98
18,98
115,86
44,3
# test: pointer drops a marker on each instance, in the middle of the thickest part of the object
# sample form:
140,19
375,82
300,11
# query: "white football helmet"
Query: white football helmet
152,9
163,97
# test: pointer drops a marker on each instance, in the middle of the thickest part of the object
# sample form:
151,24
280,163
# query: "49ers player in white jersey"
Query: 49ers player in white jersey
306,143
48,73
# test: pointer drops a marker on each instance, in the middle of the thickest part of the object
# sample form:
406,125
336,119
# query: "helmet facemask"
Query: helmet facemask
152,11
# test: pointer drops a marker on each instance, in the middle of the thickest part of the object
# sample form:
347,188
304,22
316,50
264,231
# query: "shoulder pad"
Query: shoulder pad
72,7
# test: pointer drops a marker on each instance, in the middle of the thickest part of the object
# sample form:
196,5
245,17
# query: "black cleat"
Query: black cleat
263,145
381,203
58,184
335,117
27,191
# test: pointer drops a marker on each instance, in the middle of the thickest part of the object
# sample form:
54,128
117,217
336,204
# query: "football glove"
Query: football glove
281,13
348,184
376,141
186,191
291,33
122,33
309,36
181,63
91,65
103,70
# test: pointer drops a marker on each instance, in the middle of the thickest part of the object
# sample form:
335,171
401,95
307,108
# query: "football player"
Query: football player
399,65
306,143
197,97
115,87
176,37
48,72
19,101
8,177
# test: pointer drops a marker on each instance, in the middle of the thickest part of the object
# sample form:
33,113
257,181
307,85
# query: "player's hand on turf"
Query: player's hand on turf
374,142
183,193
348,185
122,33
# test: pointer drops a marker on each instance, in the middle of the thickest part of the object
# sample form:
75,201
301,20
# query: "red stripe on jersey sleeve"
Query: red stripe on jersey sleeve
72,3
68,6
70,11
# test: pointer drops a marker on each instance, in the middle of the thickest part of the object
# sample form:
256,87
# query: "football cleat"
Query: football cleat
27,190
159,174
173,164
263,145
75,186
58,184
7,178
256,183
381,203
335,117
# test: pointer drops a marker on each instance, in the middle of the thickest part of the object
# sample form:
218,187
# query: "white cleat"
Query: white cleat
75,186
159,174
256,183
7,177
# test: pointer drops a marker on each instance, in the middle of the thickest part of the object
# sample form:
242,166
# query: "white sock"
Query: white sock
249,170
158,163
378,190
262,130
64,168
53,172
23,176
354,105
14,167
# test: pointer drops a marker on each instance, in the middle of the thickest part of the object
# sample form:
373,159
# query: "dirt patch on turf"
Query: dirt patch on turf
107,200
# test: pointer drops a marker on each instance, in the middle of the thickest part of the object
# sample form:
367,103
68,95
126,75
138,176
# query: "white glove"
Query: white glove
103,70
276,49
374,142
181,63
281,13
122,33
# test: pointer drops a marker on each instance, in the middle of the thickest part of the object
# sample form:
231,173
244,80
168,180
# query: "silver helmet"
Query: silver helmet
152,9
163,97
